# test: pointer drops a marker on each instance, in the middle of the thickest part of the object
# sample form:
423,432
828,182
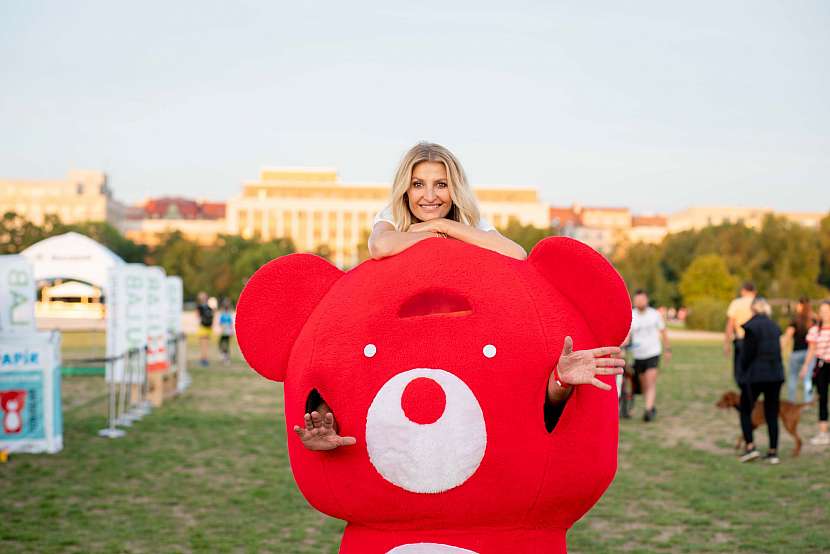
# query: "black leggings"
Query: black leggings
749,394
224,344
822,381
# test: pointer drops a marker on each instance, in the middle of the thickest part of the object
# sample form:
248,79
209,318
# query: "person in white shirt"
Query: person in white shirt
648,339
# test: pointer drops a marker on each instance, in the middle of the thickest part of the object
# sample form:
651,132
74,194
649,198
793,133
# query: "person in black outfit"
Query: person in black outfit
761,372
205,314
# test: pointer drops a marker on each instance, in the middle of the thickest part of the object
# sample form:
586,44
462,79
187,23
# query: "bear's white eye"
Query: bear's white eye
489,350
370,350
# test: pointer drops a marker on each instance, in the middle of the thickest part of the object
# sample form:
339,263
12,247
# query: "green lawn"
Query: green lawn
209,473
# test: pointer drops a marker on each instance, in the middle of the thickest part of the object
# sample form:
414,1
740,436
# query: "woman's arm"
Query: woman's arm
811,351
491,240
386,241
789,332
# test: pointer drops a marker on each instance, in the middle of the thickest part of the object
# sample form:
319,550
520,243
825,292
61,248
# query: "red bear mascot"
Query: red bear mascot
437,361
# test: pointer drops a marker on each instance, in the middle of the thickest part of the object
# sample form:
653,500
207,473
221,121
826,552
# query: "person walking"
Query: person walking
648,339
818,340
204,314
796,331
761,371
738,313
225,330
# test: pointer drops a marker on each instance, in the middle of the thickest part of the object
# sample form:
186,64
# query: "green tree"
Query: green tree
708,278
104,233
642,268
254,257
525,235
17,233
185,258
824,243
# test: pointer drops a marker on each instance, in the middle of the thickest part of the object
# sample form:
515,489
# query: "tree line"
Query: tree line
703,269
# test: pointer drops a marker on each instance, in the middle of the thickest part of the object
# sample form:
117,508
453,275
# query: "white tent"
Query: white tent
72,256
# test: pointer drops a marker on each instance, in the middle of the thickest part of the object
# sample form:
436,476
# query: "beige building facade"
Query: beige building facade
84,195
314,209
152,231
702,216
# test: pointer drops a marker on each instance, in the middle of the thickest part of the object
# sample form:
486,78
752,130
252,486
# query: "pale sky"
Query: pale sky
653,105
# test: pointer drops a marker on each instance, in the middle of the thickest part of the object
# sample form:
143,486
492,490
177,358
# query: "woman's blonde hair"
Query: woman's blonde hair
464,206
761,306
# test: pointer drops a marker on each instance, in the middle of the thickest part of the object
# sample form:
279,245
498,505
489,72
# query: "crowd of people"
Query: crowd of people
206,315
756,344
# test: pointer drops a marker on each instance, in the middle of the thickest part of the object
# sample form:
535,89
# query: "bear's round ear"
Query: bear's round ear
274,306
589,282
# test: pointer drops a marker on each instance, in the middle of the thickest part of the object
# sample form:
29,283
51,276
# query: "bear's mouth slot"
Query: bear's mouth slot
435,301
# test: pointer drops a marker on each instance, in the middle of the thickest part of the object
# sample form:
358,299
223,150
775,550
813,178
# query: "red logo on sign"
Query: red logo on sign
12,402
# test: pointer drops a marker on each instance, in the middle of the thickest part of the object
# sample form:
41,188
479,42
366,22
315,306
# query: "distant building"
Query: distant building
83,195
601,228
618,219
702,216
648,229
199,221
314,209
182,208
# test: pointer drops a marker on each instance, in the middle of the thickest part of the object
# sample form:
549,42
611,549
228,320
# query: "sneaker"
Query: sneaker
650,415
772,458
750,455
821,439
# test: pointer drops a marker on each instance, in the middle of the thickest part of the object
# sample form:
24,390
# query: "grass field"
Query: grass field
209,473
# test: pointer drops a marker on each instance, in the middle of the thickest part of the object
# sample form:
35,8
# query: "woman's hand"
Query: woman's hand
803,373
440,226
582,367
319,433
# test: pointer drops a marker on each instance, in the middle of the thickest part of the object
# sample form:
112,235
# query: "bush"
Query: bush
706,314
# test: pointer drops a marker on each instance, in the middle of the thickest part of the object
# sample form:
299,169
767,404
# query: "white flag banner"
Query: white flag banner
126,315
157,316
17,296
175,301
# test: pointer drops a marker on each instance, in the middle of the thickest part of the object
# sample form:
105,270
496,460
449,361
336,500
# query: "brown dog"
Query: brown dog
789,412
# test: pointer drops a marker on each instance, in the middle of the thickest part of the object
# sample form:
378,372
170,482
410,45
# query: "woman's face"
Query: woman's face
824,313
429,191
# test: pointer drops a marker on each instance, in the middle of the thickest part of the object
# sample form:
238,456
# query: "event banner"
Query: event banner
17,296
157,316
126,316
30,393
175,301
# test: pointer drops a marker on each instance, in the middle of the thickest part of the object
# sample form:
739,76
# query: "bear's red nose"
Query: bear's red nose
423,401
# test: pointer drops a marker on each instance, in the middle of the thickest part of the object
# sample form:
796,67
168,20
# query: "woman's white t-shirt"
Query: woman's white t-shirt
386,215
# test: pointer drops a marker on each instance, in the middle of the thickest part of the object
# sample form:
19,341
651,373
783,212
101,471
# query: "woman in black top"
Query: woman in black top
761,372
797,331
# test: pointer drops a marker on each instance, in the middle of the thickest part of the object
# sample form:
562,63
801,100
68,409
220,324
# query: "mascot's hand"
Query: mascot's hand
582,367
320,433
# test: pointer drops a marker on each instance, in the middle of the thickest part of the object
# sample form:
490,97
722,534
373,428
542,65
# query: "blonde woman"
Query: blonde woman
761,372
431,198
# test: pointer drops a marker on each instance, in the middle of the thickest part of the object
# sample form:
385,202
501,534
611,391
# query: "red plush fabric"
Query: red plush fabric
437,361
